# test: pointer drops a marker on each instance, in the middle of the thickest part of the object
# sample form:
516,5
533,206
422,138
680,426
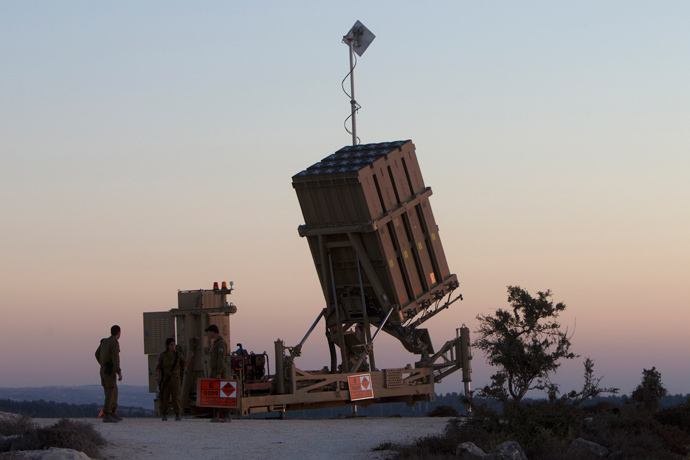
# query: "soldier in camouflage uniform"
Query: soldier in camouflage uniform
108,356
171,364
218,364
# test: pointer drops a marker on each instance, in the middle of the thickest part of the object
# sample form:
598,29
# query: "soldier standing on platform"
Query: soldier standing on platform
218,364
171,363
108,356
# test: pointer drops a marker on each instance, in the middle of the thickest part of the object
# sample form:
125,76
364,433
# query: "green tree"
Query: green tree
525,342
650,391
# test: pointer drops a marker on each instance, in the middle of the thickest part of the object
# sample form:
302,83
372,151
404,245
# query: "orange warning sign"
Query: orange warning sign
216,393
360,387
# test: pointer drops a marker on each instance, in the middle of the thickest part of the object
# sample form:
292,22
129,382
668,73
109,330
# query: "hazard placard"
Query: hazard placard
360,387
217,393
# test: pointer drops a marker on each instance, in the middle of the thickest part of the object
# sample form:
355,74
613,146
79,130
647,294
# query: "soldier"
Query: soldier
108,356
219,367
171,363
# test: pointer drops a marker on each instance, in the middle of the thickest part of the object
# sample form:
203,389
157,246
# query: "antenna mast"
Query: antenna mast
358,40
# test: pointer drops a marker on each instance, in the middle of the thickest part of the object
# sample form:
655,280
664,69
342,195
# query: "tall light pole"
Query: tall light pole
358,40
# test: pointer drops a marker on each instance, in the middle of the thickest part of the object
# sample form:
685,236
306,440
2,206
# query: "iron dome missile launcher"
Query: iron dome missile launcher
378,255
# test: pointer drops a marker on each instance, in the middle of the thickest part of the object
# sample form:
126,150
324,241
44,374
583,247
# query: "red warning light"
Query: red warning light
215,285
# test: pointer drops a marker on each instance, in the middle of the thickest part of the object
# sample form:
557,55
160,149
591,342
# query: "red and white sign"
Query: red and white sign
216,393
228,389
360,387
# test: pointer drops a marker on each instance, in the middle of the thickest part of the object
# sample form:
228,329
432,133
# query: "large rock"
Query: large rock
581,447
54,453
509,450
469,451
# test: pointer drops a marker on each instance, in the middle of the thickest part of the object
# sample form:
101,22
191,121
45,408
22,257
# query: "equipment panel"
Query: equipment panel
152,361
192,300
158,326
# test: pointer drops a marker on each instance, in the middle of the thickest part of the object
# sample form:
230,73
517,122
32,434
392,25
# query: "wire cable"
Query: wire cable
349,96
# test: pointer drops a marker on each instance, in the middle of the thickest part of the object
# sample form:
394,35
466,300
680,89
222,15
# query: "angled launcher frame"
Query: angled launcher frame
376,248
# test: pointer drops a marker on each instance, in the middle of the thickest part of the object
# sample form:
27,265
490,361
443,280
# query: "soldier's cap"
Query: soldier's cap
213,328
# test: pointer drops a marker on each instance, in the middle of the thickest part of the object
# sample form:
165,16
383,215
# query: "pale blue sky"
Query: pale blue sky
147,147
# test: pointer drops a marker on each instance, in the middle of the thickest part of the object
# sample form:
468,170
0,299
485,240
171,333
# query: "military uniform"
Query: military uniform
108,356
219,365
171,371
218,362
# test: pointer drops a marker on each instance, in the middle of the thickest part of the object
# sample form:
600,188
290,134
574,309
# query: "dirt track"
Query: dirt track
260,439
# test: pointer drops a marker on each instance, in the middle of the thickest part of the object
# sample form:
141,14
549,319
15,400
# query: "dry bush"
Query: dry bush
11,456
445,445
66,434
428,448
634,434
16,429
599,408
69,434
14,426
678,416
485,433
26,441
545,430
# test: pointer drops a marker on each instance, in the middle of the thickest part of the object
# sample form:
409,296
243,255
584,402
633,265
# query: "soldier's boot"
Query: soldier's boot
178,417
116,417
108,418
164,418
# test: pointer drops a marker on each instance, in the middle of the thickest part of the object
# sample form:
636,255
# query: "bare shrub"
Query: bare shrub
11,456
678,416
69,434
26,441
428,448
634,434
14,426
66,434
542,427
20,431
546,429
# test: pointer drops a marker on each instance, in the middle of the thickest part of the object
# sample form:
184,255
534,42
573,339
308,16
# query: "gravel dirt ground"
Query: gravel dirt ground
349,438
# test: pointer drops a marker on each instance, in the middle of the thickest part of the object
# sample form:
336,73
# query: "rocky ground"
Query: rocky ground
341,439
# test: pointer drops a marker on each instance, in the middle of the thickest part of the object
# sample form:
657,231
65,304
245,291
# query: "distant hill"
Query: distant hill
51,409
132,397
129,395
